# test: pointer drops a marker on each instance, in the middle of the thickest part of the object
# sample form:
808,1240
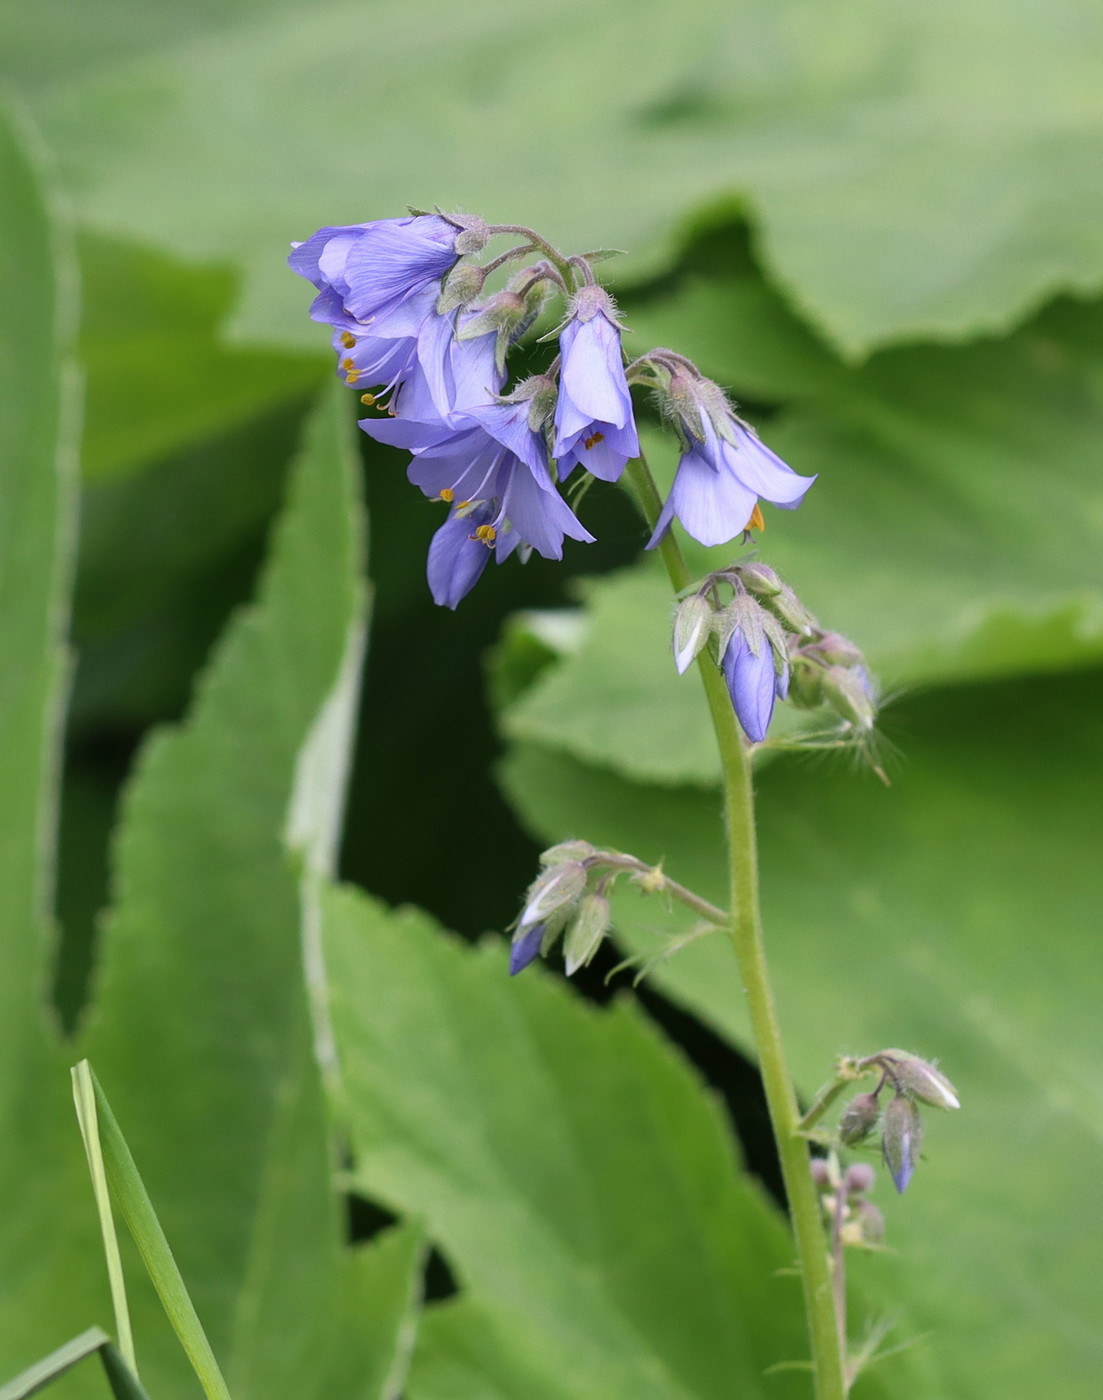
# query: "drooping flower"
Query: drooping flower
594,425
461,549
756,675
724,470
492,457
366,271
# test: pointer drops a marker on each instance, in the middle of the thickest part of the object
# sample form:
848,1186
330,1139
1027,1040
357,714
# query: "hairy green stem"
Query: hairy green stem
746,930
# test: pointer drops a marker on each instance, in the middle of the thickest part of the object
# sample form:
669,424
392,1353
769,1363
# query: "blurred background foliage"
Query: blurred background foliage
879,226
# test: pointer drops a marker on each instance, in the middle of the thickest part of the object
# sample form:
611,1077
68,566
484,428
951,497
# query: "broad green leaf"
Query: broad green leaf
40,1168
158,377
581,1184
202,1037
378,1316
900,189
954,913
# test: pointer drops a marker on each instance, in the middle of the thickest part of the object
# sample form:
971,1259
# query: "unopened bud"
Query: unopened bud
525,948
848,691
473,236
805,683
789,610
836,650
553,892
692,624
858,1119
590,925
901,1137
859,1178
567,850
870,1222
921,1080
463,284
821,1173
760,580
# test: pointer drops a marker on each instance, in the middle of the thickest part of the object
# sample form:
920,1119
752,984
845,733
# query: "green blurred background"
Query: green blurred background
881,226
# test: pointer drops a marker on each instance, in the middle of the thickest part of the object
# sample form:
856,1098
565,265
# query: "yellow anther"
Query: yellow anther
367,399
593,440
447,495
756,521
486,533
352,376
348,340
348,364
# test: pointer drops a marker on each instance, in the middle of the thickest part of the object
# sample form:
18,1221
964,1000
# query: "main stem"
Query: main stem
746,932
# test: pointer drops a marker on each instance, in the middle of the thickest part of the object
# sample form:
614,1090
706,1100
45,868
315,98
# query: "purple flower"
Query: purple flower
366,271
461,549
489,457
753,681
593,415
724,470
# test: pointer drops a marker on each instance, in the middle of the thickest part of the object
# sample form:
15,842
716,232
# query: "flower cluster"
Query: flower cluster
770,648
914,1082
416,330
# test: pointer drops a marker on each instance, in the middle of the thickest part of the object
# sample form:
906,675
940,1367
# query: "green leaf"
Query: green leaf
915,916
40,1168
159,379
202,1035
583,1187
380,1315
897,194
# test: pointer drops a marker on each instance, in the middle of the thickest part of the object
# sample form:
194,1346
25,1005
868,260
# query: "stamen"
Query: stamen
348,340
352,376
486,533
447,494
593,440
348,364
756,521
367,399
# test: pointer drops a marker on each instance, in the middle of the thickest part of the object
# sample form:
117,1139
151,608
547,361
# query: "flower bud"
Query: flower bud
692,624
553,892
525,948
859,1178
474,234
836,650
567,850
901,1137
821,1173
591,923
870,1222
921,1080
760,580
858,1119
805,683
463,284
850,693
789,610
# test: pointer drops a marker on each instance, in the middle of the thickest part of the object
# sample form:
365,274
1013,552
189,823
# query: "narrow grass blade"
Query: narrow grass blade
54,1365
84,1097
137,1209
122,1379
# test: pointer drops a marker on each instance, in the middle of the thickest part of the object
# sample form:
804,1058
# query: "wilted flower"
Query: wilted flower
593,416
724,470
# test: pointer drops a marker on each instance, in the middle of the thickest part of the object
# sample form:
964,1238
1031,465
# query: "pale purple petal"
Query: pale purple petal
713,506
539,514
456,559
751,684
509,424
525,949
592,375
762,471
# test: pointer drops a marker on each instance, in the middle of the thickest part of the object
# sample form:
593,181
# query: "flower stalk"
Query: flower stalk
828,1359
